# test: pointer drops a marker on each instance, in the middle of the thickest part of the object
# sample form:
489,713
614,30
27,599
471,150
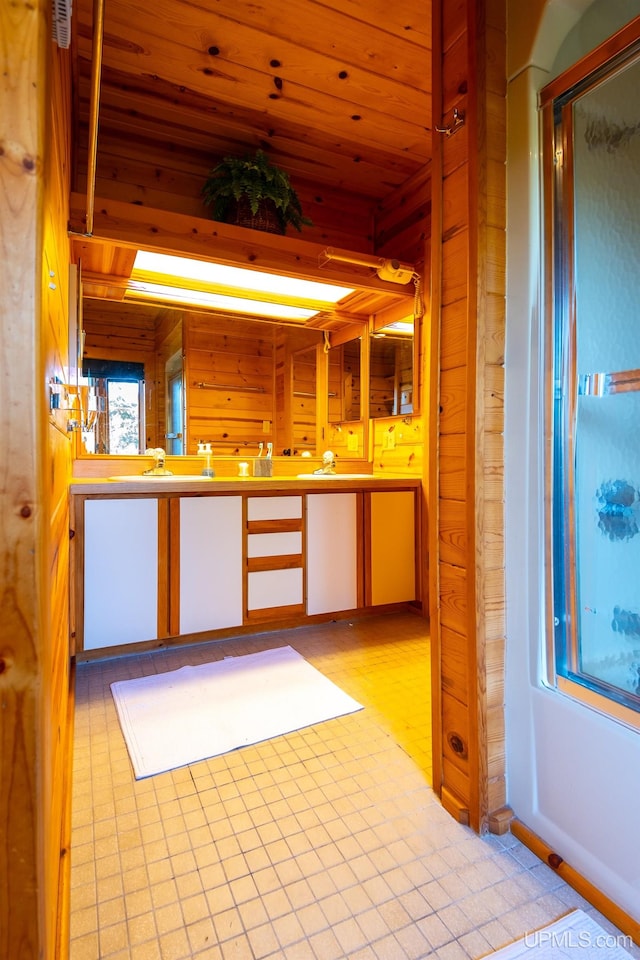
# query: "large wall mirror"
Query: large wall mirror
178,352
169,377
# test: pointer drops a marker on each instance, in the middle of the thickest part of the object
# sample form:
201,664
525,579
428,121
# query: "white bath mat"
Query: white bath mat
576,936
172,719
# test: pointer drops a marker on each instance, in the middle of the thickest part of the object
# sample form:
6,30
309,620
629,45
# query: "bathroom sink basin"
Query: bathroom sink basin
335,476
179,478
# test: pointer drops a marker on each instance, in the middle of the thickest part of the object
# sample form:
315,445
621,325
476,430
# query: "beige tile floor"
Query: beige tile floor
324,844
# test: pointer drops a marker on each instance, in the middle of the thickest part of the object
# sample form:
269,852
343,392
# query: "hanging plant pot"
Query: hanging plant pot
265,218
251,192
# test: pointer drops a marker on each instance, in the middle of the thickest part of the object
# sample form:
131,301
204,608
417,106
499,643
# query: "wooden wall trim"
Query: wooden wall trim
433,460
584,887
21,909
35,453
466,472
163,574
131,226
477,138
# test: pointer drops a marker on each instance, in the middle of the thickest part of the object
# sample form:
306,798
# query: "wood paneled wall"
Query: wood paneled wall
305,403
390,378
153,174
345,382
119,331
297,417
58,358
399,446
249,382
35,458
229,379
402,224
466,476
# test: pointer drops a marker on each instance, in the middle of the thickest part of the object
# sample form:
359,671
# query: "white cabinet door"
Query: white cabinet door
210,563
333,552
393,546
120,572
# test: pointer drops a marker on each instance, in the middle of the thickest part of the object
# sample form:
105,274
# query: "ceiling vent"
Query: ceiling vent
61,25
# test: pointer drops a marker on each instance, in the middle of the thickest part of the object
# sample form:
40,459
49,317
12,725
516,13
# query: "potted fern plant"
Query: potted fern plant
252,192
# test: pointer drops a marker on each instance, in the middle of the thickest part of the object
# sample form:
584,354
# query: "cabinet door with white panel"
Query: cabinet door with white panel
210,563
391,526
334,564
120,571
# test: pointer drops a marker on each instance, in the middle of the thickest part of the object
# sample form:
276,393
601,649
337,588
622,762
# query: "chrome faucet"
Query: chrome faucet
328,463
158,470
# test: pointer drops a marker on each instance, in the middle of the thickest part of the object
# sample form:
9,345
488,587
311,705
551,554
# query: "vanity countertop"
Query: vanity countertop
138,484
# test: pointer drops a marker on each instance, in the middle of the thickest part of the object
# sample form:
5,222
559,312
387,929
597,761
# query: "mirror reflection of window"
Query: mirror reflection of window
117,392
123,416
344,382
390,374
174,436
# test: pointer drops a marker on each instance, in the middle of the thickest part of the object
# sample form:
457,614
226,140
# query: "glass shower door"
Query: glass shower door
597,376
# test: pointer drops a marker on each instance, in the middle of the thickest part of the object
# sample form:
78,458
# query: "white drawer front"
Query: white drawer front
274,508
274,588
274,544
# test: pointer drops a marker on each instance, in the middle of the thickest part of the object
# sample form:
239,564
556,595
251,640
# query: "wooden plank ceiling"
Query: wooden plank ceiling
336,92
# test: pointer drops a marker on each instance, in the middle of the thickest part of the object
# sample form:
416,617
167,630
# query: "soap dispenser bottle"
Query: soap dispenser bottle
204,449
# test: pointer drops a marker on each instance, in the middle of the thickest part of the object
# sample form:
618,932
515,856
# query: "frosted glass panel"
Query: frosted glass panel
608,538
606,164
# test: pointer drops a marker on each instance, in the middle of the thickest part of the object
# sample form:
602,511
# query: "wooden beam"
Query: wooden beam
161,231
466,559
35,456
22,918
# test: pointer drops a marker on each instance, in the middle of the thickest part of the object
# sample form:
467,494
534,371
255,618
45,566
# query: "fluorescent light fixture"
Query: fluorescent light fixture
402,327
140,290
211,275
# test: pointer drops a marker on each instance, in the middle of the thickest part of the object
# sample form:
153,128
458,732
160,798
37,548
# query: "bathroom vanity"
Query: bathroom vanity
159,563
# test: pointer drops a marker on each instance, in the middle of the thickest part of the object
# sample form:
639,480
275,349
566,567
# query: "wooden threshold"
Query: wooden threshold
584,887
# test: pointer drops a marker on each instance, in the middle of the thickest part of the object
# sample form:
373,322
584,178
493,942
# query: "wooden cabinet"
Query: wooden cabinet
391,546
274,557
210,580
152,568
120,564
334,561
